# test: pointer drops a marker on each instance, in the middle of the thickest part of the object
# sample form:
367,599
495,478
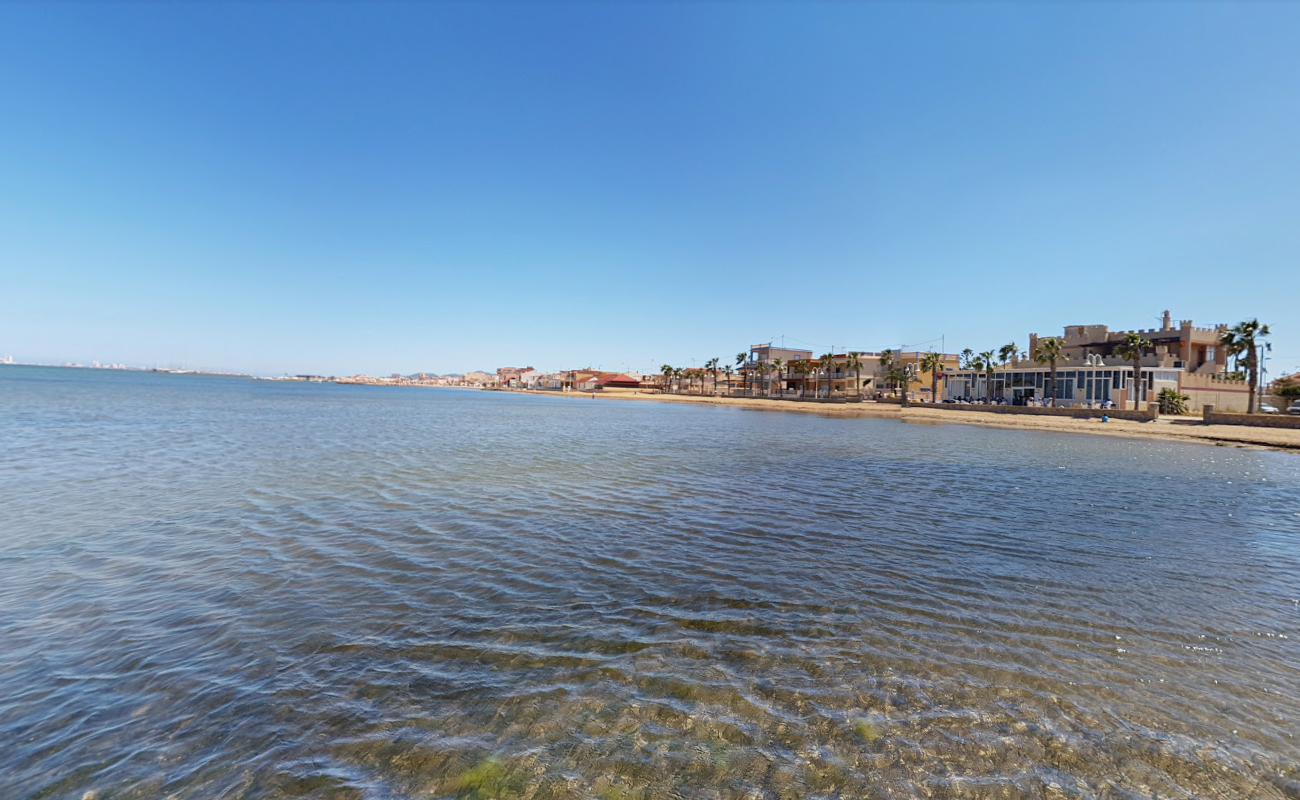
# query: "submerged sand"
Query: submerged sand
1186,429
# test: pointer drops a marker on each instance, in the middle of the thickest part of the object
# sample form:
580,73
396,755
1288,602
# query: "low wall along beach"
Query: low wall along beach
1213,417
1150,415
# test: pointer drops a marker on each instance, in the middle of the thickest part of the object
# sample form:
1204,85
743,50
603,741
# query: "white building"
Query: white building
1075,385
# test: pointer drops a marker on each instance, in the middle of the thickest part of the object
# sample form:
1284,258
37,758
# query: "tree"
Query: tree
667,370
712,366
855,363
678,372
933,364
968,359
1245,337
741,358
1049,352
778,366
1288,386
827,363
1008,352
989,366
887,366
727,370
802,368
1171,402
901,375
1132,348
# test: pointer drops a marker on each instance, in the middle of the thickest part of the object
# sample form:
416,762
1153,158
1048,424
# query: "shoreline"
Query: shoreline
1165,429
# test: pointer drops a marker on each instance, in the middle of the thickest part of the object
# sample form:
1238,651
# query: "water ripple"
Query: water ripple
218,588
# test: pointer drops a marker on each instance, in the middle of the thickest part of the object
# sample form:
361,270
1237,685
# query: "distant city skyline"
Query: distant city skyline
343,189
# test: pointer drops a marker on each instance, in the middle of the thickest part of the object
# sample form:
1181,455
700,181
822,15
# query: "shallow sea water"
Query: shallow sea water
223,588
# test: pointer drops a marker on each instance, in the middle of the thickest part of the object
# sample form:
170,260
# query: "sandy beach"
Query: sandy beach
1186,429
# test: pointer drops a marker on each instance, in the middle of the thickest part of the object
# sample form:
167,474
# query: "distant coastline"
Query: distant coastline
1166,429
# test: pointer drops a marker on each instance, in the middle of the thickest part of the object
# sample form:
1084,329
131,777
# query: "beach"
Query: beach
1183,429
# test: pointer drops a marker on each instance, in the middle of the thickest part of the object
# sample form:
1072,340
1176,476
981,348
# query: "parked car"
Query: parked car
1294,408
1267,409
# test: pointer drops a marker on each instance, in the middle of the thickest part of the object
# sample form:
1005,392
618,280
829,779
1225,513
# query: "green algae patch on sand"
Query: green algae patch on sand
867,731
616,791
489,779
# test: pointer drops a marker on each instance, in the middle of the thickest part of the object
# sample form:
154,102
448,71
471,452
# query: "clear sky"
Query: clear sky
345,188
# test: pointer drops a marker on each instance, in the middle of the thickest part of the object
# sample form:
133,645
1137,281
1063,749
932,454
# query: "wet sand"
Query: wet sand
1186,429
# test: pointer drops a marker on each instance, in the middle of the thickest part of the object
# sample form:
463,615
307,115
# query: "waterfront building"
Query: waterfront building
870,378
588,380
1076,385
766,354
758,373
513,377
549,381
1183,347
1092,370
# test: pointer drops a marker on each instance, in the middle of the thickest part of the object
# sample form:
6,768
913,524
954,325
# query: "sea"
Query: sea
216,587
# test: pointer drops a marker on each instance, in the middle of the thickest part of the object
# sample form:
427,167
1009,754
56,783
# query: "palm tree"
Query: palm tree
855,363
988,365
678,372
901,375
887,366
1244,337
801,368
975,363
727,370
778,366
1049,352
1008,352
1131,348
667,370
968,359
933,364
711,365
827,363
741,358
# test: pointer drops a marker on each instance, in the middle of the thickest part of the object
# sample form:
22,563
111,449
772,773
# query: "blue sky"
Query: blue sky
382,187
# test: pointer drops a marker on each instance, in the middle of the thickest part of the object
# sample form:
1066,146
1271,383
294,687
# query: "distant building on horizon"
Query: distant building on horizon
587,380
513,377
